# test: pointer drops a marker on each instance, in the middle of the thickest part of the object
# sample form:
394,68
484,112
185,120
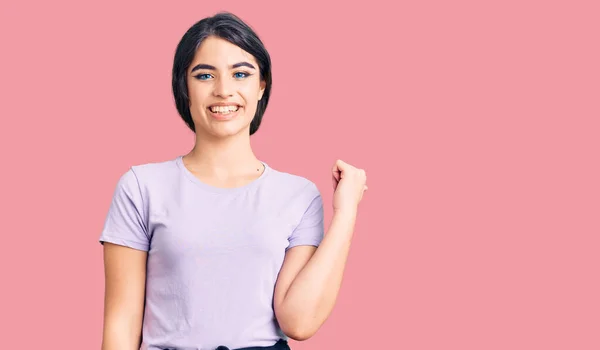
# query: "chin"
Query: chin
229,129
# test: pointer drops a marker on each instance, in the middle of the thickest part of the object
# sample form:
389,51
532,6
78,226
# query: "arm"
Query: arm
310,279
125,283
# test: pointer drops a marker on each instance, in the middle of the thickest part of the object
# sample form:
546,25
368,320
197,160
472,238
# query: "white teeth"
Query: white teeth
223,109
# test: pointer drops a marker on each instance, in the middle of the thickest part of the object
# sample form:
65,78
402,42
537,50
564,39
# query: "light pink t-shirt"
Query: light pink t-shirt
214,254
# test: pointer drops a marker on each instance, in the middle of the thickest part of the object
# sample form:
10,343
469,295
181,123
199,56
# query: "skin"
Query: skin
310,277
124,293
222,155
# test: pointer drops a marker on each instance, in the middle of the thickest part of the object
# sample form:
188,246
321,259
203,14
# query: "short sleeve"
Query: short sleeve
310,230
124,223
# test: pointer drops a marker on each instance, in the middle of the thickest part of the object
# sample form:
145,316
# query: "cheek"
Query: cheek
197,95
251,93
251,102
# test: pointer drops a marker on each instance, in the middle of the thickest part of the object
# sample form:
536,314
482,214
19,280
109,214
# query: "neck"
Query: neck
224,157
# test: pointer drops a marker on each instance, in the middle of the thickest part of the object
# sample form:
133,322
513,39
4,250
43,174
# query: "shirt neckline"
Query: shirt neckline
187,173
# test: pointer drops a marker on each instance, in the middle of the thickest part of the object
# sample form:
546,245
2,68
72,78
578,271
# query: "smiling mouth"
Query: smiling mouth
224,109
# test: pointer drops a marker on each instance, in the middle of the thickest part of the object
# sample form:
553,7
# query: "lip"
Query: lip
219,116
222,104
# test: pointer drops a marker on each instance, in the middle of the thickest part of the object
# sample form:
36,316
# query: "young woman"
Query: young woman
215,249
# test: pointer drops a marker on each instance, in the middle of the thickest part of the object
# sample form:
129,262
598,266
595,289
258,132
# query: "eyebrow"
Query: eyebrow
208,66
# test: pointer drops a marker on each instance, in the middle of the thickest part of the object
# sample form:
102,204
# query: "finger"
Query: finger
337,175
336,172
341,165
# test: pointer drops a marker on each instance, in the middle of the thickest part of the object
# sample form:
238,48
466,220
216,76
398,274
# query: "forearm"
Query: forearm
119,336
312,295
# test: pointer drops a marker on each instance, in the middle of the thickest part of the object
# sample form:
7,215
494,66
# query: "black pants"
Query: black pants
280,345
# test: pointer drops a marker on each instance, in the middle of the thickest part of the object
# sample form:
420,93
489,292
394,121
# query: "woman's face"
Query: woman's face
224,87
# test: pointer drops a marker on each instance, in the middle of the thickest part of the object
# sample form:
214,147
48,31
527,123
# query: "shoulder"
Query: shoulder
294,184
141,177
155,168
153,172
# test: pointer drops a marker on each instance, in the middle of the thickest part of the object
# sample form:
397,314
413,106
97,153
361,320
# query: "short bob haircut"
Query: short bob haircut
229,27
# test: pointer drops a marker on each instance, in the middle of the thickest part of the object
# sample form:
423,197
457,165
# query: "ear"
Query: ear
263,85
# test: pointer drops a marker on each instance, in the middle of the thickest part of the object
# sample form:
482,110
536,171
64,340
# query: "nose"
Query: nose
223,87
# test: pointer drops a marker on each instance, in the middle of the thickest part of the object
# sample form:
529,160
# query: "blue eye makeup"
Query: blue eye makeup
241,75
202,76
237,75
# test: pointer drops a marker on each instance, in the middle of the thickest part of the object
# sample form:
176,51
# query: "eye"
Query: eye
202,76
241,75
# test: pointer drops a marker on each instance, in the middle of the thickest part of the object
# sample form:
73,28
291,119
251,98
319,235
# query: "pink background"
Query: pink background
477,123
